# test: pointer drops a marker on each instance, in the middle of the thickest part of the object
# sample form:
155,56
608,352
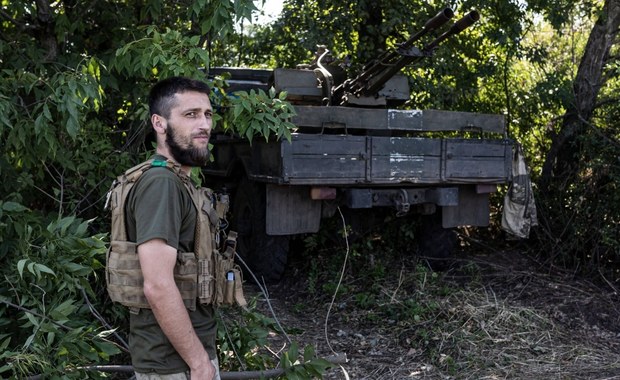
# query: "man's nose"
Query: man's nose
206,123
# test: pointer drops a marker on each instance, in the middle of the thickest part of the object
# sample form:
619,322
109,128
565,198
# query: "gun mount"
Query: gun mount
375,85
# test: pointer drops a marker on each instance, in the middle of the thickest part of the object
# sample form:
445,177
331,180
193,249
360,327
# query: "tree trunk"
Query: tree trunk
46,30
563,156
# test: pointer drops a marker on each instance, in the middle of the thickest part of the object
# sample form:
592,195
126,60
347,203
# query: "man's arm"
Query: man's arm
157,260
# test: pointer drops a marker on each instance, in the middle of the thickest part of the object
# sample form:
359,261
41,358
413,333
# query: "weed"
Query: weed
365,300
299,308
243,341
313,276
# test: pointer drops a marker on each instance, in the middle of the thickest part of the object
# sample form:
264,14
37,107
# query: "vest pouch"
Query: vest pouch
124,276
185,274
206,281
125,281
228,282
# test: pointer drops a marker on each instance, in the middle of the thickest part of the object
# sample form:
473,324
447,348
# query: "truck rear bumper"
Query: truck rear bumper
291,209
401,198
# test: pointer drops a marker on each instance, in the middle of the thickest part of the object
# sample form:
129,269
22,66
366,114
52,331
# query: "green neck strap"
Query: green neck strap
159,163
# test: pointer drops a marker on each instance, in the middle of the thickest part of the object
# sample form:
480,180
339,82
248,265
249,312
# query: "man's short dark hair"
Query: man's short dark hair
161,97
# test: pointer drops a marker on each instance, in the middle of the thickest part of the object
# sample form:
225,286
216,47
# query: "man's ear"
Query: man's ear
159,123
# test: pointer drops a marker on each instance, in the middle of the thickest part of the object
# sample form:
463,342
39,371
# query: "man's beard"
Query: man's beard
190,156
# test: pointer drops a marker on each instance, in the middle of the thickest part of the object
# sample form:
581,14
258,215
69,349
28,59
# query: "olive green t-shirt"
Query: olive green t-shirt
159,207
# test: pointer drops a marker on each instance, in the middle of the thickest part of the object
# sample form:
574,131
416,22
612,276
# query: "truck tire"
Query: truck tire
266,255
436,244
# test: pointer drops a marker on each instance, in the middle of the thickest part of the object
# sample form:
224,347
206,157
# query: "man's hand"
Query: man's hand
205,371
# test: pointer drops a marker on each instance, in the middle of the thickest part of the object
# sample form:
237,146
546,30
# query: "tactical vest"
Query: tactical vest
208,274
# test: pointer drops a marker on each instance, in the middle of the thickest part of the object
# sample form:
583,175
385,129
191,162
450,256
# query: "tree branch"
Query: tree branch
13,21
598,131
241,375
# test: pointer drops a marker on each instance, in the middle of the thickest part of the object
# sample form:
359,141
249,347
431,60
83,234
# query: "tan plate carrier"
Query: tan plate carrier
208,275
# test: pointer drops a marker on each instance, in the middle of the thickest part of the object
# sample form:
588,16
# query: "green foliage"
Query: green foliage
370,269
47,124
162,55
72,117
47,326
243,336
581,226
577,227
390,287
360,30
260,114
560,12
303,368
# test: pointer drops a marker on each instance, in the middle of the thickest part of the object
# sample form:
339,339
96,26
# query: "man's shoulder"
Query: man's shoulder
157,178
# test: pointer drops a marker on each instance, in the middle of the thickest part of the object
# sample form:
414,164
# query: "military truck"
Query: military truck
354,149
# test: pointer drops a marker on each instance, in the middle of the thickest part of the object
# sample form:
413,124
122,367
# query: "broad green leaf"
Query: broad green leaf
106,349
246,104
5,344
28,341
50,338
13,207
62,311
294,351
44,269
20,267
31,318
82,229
237,111
65,224
309,353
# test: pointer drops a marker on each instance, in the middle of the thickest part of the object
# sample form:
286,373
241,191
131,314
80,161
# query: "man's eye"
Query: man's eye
191,114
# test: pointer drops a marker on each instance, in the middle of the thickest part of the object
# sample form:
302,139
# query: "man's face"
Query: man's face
188,129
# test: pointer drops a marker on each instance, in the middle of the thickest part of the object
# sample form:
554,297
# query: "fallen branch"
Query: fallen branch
233,375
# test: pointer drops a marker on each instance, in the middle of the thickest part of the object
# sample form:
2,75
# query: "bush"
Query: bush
47,324
580,225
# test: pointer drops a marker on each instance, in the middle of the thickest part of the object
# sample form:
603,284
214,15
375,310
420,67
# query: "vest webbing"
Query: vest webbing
196,274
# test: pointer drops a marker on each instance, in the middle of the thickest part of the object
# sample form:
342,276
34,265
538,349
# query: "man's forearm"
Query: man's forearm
174,321
157,261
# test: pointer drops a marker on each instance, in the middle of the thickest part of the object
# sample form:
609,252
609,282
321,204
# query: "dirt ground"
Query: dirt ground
508,318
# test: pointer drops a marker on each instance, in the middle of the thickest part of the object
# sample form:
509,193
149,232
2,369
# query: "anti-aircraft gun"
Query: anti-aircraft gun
369,88
376,74
354,151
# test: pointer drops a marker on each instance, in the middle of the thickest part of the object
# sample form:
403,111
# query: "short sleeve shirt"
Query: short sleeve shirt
160,207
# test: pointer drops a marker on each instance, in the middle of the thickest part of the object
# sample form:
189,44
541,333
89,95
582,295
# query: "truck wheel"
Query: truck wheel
436,244
266,255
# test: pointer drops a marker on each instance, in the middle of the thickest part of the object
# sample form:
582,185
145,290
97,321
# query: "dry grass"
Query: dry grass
489,338
496,322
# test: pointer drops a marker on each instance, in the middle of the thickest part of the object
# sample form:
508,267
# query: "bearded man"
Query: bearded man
173,337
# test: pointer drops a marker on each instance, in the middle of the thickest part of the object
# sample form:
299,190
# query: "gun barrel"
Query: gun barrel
390,63
376,74
387,59
456,28
466,21
435,22
440,18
